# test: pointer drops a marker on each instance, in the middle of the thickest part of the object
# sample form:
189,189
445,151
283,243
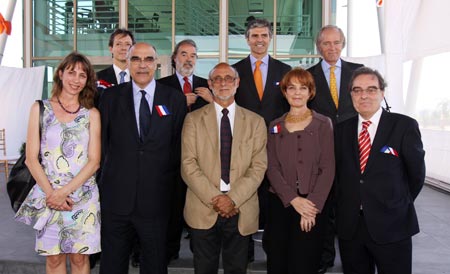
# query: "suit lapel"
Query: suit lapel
127,107
238,127
353,135
209,119
323,85
383,132
345,78
270,80
251,87
176,83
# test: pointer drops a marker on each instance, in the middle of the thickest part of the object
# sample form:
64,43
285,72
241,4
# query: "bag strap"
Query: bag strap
41,117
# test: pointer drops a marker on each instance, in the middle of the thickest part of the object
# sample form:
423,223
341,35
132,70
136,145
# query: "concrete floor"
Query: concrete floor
431,247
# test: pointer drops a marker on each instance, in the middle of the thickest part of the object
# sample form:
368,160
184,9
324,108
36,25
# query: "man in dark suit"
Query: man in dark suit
141,146
119,42
329,43
195,88
184,59
265,98
224,161
380,171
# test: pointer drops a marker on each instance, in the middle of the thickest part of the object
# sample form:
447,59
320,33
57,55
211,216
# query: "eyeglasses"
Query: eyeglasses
370,90
147,60
228,79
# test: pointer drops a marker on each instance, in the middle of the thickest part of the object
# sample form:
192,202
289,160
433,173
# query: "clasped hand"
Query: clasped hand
59,200
223,205
308,212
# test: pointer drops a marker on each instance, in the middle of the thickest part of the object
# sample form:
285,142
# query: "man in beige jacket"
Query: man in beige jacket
223,162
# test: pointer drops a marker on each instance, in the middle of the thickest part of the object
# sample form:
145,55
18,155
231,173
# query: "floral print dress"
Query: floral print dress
64,151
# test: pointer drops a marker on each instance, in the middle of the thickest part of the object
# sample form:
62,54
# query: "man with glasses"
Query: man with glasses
332,99
195,88
380,170
223,163
141,146
259,90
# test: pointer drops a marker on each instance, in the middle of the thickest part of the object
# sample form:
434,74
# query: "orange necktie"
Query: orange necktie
257,75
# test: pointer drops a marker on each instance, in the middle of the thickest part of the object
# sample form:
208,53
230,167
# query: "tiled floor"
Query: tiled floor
431,247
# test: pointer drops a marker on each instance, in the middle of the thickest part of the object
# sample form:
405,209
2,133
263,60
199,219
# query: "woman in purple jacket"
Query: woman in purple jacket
301,169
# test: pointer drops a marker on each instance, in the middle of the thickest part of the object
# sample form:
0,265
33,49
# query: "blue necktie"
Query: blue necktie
144,117
225,146
122,76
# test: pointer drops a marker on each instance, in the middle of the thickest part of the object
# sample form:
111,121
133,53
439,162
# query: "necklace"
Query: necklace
68,111
290,118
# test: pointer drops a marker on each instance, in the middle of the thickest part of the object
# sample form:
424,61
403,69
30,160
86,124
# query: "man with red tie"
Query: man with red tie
184,59
380,170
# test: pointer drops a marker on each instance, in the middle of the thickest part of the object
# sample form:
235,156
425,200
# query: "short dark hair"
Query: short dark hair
121,32
302,76
258,23
368,71
177,47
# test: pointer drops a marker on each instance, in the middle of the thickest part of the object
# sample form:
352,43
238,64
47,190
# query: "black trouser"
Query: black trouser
176,220
361,254
223,237
118,235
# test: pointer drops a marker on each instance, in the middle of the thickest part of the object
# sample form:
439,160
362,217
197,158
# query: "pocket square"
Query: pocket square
389,150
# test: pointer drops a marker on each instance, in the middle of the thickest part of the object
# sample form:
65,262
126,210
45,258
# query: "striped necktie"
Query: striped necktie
364,145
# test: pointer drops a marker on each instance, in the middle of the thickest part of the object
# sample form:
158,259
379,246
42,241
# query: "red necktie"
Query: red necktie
364,145
187,86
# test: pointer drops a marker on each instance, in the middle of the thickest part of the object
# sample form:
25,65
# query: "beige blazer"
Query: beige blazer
200,166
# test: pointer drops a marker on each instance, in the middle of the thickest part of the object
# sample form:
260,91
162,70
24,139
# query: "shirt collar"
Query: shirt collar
181,80
326,66
265,59
375,119
149,89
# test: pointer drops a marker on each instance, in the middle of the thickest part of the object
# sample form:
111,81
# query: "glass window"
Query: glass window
52,28
96,20
151,21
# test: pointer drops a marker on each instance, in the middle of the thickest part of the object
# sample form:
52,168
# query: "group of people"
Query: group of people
257,145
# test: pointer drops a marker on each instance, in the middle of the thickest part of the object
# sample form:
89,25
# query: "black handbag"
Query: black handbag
20,181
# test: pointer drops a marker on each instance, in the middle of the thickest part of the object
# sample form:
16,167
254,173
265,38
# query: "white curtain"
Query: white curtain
19,88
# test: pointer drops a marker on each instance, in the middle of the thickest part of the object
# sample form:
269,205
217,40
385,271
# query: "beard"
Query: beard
185,69
224,98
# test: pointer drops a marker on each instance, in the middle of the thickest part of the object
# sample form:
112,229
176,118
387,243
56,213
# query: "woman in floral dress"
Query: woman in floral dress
64,206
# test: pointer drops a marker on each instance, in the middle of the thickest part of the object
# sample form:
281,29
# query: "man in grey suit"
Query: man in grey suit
261,96
338,106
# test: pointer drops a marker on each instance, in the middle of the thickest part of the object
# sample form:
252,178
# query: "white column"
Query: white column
8,14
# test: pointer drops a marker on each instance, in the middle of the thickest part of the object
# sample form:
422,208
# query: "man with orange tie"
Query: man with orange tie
259,90
380,170
332,99
195,88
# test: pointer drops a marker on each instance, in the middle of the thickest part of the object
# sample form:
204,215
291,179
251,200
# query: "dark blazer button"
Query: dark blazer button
361,181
